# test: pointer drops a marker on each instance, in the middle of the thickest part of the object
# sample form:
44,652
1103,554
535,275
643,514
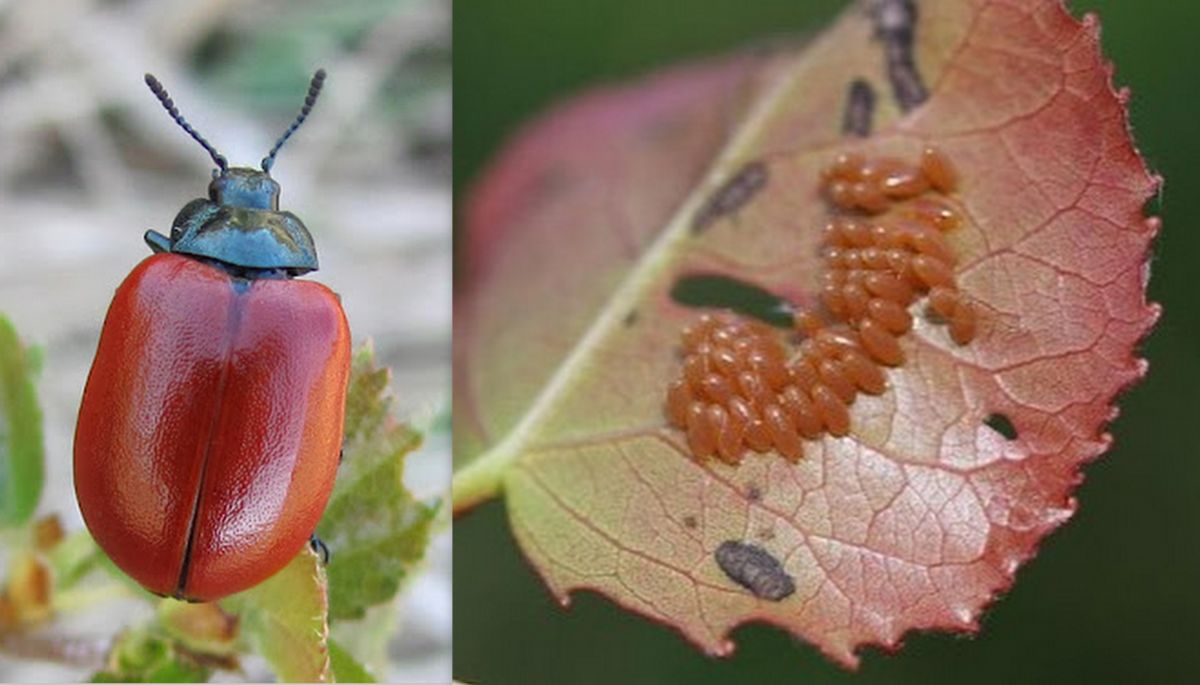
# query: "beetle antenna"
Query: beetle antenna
165,98
314,89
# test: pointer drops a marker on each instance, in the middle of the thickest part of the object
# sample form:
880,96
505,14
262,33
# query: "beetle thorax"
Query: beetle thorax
244,187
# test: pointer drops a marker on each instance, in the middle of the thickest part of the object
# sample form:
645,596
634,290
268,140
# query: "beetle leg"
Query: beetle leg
320,548
157,241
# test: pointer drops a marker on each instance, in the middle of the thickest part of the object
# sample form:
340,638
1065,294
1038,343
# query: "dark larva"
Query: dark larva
732,195
895,24
755,569
860,109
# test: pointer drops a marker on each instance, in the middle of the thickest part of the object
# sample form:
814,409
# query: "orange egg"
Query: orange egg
939,170
881,345
739,388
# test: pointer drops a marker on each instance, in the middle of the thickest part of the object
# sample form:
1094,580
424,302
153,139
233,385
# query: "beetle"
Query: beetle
210,428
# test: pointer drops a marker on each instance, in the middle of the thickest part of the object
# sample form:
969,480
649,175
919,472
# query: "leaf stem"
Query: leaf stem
476,483
77,599
76,652
483,478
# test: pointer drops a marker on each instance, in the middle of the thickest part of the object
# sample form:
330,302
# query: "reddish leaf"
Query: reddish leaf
594,182
567,332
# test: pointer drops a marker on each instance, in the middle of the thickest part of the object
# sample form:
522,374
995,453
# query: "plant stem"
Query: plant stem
77,652
476,483
81,598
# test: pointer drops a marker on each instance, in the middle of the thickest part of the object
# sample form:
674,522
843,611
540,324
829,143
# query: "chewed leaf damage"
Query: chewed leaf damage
913,506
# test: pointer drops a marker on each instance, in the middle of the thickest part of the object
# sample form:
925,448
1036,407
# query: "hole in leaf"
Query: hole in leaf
723,292
1002,425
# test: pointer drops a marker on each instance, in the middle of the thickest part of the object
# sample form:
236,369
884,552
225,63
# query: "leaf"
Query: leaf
20,429
566,171
202,628
284,619
567,331
346,668
142,655
375,529
77,555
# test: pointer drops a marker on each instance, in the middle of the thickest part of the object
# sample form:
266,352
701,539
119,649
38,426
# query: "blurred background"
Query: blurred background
89,160
1111,597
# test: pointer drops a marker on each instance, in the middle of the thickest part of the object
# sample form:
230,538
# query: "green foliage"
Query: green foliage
74,557
375,528
283,620
21,451
346,668
145,656
268,62
201,628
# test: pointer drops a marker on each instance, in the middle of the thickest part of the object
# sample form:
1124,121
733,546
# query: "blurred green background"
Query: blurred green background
1112,596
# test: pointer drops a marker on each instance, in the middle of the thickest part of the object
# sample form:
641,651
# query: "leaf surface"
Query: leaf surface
345,667
375,529
285,620
587,189
567,330
143,655
21,468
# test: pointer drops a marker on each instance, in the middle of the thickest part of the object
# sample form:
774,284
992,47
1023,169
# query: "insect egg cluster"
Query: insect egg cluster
876,266
741,390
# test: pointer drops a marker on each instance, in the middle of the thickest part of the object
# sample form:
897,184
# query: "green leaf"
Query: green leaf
21,450
203,628
284,620
75,556
375,529
346,668
269,62
143,656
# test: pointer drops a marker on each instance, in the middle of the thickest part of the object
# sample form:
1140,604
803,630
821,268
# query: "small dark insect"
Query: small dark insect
755,569
732,195
860,108
895,24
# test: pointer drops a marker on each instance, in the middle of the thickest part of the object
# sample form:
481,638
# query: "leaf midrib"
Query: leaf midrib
482,479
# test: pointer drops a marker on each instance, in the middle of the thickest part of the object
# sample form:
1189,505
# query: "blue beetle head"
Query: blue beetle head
244,187
240,226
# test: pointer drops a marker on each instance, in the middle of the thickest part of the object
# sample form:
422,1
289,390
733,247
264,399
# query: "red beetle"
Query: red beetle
211,424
